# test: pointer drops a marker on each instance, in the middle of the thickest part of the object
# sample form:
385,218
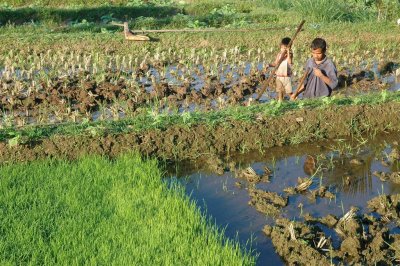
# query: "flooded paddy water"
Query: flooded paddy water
29,98
336,177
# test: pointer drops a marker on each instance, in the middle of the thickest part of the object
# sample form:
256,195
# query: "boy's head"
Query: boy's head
284,43
318,49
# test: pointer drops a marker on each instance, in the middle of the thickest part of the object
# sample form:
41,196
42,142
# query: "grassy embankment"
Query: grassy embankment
152,120
98,211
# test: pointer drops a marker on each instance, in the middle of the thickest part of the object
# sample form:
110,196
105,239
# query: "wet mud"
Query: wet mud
267,202
68,98
364,240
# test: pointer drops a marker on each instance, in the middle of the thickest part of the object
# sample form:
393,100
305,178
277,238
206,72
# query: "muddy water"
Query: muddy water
354,82
345,167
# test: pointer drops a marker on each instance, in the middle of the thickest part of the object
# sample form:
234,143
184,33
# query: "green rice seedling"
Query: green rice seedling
121,207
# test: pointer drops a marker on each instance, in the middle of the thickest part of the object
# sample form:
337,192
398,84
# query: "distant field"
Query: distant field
194,14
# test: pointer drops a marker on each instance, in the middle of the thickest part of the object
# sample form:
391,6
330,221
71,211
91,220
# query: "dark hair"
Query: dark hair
285,41
318,43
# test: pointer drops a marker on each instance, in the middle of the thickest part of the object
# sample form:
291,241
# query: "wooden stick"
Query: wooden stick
265,84
303,78
199,30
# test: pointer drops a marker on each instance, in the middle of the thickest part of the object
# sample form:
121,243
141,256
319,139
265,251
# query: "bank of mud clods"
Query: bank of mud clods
364,239
182,142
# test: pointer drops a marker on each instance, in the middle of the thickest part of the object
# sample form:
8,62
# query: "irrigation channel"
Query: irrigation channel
347,173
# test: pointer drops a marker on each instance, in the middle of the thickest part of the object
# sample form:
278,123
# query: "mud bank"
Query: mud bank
364,239
186,143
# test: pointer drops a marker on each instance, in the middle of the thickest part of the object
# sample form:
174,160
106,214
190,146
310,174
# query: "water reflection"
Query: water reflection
346,170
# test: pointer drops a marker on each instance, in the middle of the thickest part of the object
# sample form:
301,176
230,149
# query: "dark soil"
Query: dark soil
267,202
64,95
365,240
295,248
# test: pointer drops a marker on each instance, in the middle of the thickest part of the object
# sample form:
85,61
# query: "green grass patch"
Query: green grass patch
152,120
101,212
202,13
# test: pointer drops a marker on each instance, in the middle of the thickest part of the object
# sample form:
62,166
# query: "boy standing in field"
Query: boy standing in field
322,74
284,71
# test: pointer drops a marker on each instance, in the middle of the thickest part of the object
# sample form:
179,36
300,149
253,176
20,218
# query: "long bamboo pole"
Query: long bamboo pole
299,86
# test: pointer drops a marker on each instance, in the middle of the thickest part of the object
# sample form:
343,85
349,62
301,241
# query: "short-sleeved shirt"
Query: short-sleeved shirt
315,86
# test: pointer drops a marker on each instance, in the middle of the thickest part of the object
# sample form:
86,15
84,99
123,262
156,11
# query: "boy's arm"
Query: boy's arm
330,78
276,61
297,93
290,55
332,74
318,73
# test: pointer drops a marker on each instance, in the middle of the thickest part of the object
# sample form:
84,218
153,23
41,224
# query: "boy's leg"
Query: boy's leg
288,86
279,89
280,96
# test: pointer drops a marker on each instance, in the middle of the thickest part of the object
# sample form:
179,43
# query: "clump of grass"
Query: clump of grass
104,212
323,10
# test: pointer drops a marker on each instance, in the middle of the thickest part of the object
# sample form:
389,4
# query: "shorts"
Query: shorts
284,84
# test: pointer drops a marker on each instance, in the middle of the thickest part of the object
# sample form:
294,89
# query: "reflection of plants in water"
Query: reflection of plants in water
273,161
198,182
342,206
297,161
341,147
345,148
331,164
320,180
225,185
301,209
381,195
386,155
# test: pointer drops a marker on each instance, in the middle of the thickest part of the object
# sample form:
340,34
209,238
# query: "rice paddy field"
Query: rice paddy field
167,152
